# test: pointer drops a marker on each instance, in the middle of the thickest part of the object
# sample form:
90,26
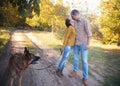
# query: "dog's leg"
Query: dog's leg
12,74
11,80
20,79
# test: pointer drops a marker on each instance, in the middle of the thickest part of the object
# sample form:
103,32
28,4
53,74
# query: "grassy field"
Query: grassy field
104,60
4,36
48,39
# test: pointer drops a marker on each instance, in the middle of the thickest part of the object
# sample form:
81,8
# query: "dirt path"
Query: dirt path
33,77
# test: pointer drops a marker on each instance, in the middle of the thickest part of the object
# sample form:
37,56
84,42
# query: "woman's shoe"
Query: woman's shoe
59,73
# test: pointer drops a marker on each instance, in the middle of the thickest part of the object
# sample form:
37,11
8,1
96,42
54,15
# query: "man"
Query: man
82,43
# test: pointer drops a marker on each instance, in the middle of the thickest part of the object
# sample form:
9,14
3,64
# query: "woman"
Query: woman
67,46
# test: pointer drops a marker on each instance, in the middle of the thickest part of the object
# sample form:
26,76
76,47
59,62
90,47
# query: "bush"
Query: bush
109,36
95,31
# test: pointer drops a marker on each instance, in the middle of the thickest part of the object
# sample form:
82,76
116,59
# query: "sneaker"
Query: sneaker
72,74
85,81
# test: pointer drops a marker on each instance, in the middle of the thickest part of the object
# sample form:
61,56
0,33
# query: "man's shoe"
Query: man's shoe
72,74
85,81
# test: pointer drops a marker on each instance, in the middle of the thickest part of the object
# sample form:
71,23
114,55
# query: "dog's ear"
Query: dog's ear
26,51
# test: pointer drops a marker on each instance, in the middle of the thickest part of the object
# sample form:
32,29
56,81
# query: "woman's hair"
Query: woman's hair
67,22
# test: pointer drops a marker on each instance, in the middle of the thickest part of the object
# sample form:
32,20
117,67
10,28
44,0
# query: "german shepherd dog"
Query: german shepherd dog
18,64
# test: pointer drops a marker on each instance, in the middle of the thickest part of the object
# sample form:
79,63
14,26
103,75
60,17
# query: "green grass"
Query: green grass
113,80
104,58
4,36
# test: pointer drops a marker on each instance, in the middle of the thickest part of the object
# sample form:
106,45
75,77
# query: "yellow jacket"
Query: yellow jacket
69,37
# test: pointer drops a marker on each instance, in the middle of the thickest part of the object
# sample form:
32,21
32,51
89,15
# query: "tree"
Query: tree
51,15
24,8
45,17
110,21
95,25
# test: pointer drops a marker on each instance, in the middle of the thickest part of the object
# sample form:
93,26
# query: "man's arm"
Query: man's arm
88,43
89,33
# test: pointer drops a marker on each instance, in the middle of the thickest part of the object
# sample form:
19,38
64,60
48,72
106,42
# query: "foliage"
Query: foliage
52,16
20,10
24,6
5,36
110,21
95,25
8,15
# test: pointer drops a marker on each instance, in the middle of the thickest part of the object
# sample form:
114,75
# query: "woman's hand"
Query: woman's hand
62,48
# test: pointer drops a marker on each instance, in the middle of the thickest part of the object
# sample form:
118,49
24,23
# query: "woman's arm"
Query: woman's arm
66,37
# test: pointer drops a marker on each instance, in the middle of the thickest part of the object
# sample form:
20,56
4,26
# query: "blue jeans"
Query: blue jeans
84,57
65,57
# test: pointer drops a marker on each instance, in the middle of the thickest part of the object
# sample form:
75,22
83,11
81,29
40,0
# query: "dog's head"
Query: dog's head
28,55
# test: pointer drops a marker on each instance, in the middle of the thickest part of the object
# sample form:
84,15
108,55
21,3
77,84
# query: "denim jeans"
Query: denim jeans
84,57
65,57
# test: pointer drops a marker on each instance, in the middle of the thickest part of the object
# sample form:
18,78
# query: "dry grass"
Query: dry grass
48,39
97,43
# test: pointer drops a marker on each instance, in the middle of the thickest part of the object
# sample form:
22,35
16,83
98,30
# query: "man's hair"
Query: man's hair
67,22
74,12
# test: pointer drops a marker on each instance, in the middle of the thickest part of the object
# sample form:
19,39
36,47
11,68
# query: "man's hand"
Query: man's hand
87,47
88,43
